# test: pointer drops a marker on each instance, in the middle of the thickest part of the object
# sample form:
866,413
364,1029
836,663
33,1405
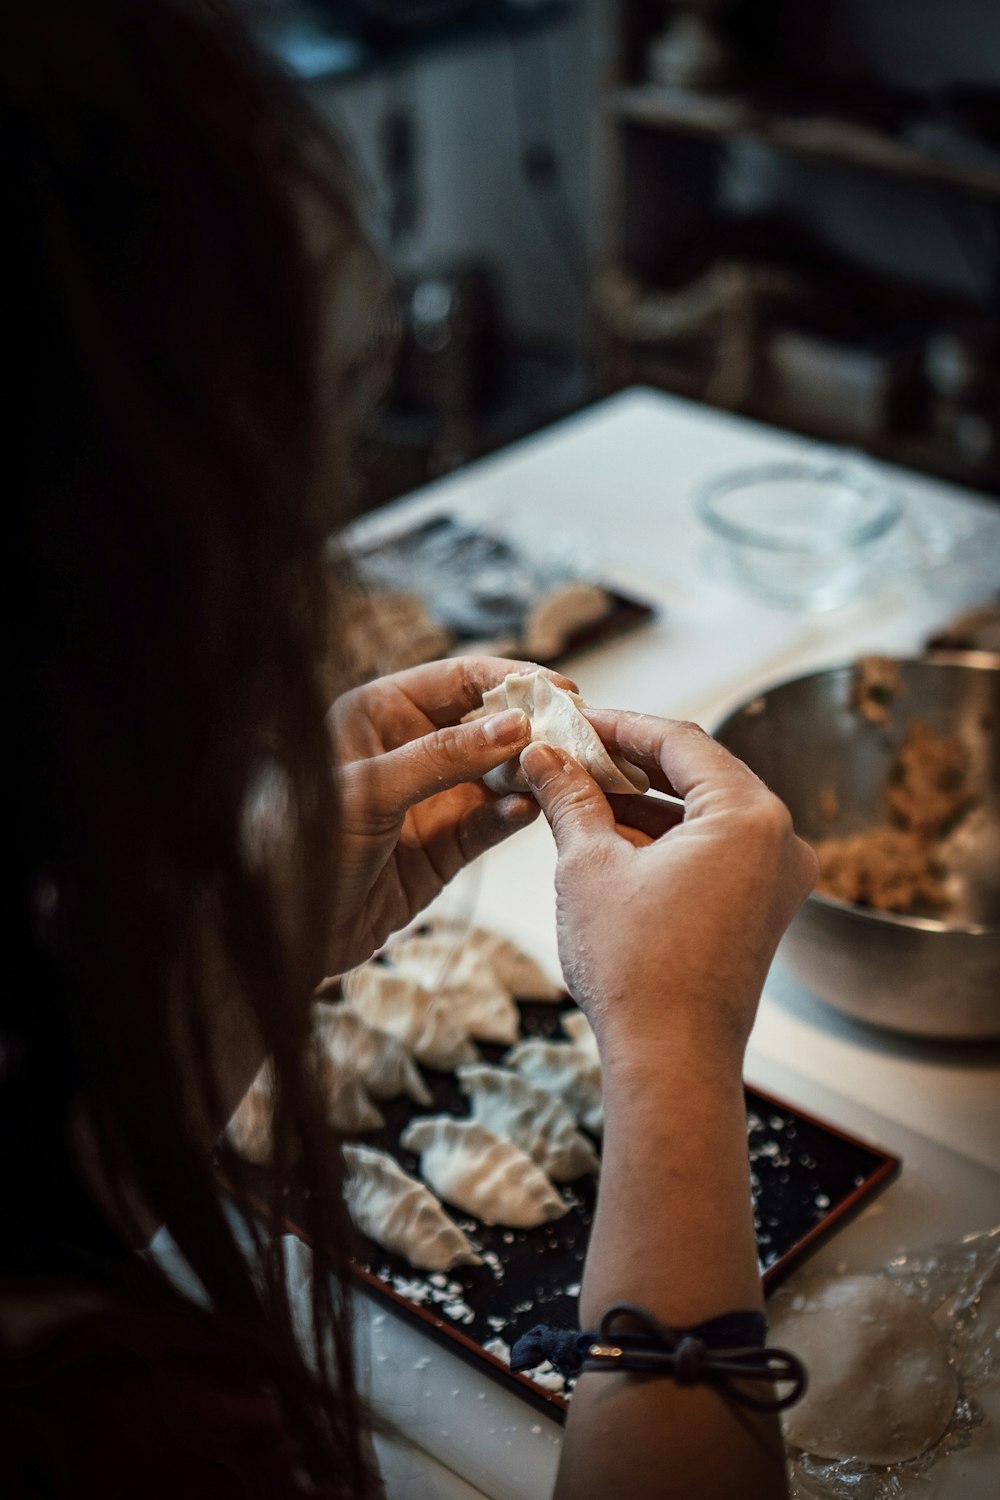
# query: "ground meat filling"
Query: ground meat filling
899,866
876,684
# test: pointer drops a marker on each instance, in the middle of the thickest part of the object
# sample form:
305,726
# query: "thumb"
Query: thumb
574,805
457,753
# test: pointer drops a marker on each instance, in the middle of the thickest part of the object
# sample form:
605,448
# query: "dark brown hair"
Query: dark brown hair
180,228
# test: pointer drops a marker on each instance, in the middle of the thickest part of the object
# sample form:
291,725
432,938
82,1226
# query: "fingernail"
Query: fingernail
506,728
540,762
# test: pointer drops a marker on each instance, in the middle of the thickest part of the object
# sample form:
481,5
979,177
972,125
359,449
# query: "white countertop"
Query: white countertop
614,484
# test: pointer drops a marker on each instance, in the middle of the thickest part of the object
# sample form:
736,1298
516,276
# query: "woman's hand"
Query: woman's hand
413,804
668,918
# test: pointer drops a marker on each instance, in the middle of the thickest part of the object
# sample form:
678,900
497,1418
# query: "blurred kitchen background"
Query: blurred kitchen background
785,208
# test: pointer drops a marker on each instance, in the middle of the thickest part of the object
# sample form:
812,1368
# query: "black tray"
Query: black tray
807,1178
626,613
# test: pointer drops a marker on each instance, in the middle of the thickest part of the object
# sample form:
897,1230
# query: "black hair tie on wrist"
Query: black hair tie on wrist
719,1352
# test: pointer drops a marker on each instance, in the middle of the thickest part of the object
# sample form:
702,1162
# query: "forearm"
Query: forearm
673,1231
673,1227
664,939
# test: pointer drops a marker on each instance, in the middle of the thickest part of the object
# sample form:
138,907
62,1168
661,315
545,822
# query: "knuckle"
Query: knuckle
569,802
467,675
639,730
343,706
451,743
772,822
470,677
809,861
780,818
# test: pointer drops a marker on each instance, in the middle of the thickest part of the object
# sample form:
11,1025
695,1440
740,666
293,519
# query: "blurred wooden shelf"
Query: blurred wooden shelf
729,117
848,286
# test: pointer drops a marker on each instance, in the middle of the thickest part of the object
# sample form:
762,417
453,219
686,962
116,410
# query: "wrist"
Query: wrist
704,1107
692,1059
674,1169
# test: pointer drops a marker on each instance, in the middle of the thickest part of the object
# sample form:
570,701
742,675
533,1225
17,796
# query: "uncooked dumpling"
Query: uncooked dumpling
513,967
490,1177
538,1122
558,615
580,1032
346,1106
401,1214
380,1061
472,992
424,1022
880,1385
250,1128
449,949
564,1069
556,720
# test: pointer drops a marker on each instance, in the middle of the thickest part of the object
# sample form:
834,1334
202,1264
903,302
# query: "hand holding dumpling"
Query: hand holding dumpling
414,807
668,919
556,718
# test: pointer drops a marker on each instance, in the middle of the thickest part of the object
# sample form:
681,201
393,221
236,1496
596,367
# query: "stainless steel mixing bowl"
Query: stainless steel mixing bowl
923,976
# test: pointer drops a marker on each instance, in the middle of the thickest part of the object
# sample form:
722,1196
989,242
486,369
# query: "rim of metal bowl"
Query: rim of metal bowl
903,919
707,495
977,661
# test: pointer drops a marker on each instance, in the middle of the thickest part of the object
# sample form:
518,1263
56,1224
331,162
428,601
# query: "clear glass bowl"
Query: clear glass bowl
802,534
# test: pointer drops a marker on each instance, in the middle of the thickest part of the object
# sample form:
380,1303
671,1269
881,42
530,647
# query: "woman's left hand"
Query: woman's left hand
413,806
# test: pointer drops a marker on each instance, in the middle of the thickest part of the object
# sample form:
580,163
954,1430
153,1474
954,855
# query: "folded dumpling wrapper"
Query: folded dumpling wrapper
250,1128
556,720
473,993
380,1060
445,950
580,1033
401,1214
538,1122
558,615
477,1170
513,967
566,1069
347,1108
426,1023
880,1388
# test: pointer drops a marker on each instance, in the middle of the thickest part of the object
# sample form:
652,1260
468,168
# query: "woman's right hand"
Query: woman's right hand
668,921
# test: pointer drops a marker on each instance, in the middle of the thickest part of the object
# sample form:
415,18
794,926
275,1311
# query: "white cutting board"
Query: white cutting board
482,1441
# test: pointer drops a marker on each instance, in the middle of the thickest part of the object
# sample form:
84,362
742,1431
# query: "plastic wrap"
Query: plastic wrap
959,1285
